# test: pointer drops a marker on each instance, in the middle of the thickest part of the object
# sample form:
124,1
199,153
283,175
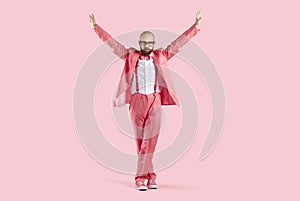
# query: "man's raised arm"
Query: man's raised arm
117,47
175,45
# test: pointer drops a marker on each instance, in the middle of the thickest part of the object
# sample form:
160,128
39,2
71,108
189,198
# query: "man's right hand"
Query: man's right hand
198,18
92,20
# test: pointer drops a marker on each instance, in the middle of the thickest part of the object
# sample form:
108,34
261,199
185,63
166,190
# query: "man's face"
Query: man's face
146,43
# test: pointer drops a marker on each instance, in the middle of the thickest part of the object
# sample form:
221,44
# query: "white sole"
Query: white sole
152,186
142,188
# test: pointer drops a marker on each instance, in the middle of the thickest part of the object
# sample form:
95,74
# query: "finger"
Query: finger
198,15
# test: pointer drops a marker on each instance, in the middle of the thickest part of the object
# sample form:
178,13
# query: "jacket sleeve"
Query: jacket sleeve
175,45
117,47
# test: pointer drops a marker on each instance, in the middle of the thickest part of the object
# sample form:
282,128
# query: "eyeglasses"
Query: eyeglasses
144,43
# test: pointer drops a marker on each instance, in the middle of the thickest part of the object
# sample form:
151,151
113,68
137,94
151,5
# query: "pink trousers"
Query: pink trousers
145,114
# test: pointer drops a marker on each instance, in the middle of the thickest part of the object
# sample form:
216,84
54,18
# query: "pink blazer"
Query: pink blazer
160,59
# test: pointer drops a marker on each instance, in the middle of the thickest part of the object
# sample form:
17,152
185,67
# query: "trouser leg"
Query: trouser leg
146,112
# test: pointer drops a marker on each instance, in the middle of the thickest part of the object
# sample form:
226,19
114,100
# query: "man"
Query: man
146,85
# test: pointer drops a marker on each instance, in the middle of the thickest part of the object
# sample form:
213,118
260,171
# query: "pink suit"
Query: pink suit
145,110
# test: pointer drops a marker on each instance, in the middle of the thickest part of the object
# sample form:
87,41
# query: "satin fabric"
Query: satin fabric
160,59
145,113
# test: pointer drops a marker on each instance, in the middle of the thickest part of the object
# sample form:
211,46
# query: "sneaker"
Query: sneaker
140,184
152,184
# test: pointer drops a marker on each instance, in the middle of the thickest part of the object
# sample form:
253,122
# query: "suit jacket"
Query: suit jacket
160,59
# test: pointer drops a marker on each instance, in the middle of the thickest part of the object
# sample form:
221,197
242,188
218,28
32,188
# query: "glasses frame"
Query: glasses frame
144,43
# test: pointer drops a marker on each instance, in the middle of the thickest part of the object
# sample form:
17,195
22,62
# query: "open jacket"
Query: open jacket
160,59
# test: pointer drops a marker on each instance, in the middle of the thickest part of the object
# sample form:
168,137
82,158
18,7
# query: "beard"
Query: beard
146,51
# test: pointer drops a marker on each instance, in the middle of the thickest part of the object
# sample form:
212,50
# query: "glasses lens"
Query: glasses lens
150,44
144,43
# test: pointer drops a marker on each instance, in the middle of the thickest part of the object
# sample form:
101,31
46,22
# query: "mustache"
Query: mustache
146,52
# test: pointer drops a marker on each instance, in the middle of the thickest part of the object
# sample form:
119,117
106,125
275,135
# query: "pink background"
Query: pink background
255,45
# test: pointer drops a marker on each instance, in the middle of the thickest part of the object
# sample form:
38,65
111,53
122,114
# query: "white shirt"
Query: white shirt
146,77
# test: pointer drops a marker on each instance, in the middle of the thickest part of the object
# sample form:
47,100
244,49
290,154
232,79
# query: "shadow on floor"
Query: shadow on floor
130,184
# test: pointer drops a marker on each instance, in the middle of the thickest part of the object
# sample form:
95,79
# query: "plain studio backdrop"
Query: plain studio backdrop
255,47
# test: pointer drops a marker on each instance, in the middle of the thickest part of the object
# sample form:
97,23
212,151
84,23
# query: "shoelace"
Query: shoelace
151,182
141,181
